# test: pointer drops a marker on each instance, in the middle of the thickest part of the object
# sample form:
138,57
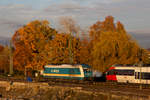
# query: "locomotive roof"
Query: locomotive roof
62,66
67,66
85,66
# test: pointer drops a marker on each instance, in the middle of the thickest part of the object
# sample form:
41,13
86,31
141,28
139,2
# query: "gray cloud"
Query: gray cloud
142,38
14,16
134,14
85,15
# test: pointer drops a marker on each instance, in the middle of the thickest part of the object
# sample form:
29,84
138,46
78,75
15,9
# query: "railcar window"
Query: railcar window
118,65
146,65
144,75
121,72
125,72
129,64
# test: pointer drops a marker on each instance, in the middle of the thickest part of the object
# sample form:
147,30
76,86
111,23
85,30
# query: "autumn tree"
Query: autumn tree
4,59
111,45
85,57
69,26
145,56
1,48
59,50
29,42
99,27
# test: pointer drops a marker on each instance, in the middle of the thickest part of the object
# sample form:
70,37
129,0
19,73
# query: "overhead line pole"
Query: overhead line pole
11,59
140,65
70,49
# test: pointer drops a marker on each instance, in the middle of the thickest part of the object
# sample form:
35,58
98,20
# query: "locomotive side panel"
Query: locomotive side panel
64,72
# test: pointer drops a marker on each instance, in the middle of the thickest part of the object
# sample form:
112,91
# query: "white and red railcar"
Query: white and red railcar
129,74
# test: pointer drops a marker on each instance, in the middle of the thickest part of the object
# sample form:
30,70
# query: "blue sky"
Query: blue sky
134,14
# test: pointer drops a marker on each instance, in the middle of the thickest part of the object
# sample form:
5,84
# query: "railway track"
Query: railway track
76,83
99,84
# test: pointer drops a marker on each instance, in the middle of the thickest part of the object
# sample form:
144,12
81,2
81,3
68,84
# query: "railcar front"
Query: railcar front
121,74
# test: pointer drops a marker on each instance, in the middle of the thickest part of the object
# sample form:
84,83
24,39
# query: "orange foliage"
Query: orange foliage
37,44
59,49
1,48
4,59
29,42
110,44
99,27
85,57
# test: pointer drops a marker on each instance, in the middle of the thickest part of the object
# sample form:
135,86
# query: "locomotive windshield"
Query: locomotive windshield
87,70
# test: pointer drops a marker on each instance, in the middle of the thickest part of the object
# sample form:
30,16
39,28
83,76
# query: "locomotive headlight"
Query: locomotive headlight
41,72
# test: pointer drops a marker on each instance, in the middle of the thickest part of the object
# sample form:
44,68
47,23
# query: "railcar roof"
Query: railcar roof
132,68
130,65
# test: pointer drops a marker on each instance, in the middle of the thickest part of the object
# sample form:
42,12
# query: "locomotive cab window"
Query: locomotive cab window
86,70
